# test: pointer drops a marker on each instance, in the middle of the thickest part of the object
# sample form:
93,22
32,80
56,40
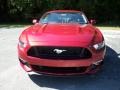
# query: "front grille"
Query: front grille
66,53
59,70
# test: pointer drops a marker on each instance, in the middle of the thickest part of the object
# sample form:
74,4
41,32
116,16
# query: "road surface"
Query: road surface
13,77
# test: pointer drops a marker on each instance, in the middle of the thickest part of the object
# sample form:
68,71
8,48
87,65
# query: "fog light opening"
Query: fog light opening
25,65
96,64
24,62
93,67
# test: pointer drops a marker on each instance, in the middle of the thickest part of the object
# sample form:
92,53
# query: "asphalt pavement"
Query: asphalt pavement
13,77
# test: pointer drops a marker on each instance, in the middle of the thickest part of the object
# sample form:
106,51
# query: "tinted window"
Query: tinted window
64,18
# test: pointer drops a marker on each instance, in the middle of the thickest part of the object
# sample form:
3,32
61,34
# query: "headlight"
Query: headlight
99,45
22,44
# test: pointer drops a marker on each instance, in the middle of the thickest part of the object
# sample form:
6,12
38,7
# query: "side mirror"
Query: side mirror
92,21
34,21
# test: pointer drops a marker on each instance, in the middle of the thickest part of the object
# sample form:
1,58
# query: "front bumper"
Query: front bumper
94,67
61,67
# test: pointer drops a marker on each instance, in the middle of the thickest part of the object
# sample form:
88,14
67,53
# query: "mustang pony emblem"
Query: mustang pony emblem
59,51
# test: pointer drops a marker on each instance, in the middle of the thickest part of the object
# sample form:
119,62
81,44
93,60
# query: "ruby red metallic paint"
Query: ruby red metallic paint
63,35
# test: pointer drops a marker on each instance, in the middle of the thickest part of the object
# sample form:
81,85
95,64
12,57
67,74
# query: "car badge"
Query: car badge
59,51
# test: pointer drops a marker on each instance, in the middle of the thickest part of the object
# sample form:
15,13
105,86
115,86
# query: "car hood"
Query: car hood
61,32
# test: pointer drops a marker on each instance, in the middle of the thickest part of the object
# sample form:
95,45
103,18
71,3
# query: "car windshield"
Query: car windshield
64,17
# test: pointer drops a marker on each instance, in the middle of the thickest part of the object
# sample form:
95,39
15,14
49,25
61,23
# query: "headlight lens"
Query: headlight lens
99,45
21,44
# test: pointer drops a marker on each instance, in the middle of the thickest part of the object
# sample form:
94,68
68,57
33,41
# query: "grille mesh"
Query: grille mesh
66,53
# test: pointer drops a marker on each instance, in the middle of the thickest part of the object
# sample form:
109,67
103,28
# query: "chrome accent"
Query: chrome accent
59,51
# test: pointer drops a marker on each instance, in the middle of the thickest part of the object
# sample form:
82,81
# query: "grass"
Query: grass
15,25
109,27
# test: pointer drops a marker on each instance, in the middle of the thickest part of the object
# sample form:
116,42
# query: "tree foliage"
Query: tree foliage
24,10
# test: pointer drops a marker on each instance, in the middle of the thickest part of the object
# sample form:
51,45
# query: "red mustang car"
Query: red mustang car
62,42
